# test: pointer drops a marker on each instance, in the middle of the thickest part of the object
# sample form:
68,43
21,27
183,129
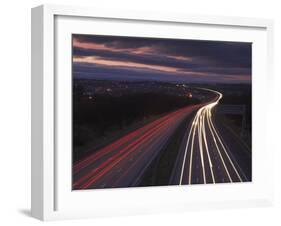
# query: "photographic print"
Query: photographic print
155,111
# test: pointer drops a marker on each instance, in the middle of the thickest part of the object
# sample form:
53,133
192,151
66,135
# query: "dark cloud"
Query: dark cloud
213,57
116,41
226,53
161,60
215,53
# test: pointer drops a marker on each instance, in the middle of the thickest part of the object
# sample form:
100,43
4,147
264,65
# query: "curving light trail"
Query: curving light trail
197,142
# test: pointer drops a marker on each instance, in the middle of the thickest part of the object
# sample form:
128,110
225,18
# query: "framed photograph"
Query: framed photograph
137,112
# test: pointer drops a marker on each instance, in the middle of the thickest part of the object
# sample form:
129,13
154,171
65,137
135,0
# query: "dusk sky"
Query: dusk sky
129,58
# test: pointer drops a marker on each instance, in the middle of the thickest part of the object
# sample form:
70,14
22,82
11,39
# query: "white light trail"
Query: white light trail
185,152
198,131
207,149
218,149
201,148
231,162
191,155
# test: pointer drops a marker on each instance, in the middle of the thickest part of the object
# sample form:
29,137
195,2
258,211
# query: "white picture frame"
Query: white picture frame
51,199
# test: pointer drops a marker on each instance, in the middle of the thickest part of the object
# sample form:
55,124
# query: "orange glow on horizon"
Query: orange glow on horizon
97,60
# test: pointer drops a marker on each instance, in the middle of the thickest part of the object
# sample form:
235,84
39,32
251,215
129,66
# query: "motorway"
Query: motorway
203,157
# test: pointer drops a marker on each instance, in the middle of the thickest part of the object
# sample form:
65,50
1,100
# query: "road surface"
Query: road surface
203,156
122,163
